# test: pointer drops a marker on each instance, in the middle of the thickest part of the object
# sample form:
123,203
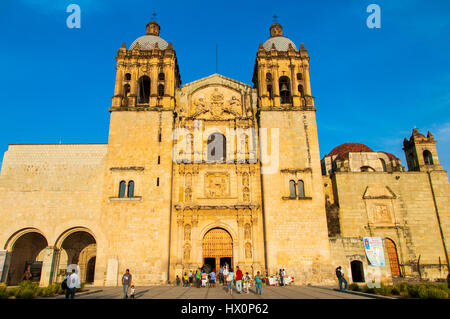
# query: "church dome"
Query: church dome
342,150
148,41
276,38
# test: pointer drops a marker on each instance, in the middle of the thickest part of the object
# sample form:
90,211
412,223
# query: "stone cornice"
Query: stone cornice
129,168
296,170
140,109
181,206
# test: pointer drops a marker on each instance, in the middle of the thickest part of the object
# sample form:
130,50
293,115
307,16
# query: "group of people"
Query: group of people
226,276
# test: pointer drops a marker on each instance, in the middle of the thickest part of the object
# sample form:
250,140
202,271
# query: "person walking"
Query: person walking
197,278
341,279
229,278
212,282
258,283
190,278
221,275
247,282
73,282
281,278
185,280
126,283
132,291
225,274
238,280
204,278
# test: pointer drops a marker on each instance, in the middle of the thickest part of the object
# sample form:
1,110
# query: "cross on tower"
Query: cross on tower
275,17
154,16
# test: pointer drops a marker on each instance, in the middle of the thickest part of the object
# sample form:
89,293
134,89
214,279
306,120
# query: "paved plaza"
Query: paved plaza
220,292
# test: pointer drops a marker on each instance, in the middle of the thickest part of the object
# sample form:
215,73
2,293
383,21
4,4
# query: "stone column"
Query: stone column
276,88
134,90
154,71
307,83
179,240
241,240
47,266
196,242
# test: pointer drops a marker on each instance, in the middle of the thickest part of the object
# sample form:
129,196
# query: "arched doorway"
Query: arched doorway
357,271
77,247
393,258
26,251
217,248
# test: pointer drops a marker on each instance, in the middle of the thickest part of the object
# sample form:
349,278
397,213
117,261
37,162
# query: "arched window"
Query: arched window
301,91
161,90
122,187
269,77
299,76
161,77
144,89
301,189
383,165
285,89
357,271
270,90
292,190
126,90
130,189
127,77
427,157
367,169
217,147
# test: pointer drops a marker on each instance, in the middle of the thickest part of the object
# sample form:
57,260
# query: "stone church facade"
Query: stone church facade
218,171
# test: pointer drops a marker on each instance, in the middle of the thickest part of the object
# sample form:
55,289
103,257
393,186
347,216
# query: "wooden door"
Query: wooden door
217,244
393,258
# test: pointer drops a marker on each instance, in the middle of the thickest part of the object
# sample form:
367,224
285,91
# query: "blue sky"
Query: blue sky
371,85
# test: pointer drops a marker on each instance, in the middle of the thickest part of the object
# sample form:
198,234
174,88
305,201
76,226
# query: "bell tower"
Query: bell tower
293,195
421,153
147,73
281,72
137,179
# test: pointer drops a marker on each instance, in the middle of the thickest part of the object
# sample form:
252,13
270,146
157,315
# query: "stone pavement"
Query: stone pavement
268,292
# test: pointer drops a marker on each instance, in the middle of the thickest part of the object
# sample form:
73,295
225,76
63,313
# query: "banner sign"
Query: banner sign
374,251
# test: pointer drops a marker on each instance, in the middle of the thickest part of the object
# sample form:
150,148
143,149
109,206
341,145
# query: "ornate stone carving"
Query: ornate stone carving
188,195
187,232
248,250
217,185
380,214
247,231
246,194
187,253
216,103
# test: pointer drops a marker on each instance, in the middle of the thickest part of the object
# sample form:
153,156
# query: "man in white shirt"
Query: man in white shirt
73,282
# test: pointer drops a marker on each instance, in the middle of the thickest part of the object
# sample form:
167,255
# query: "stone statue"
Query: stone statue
248,250
187,252
187,232
247,231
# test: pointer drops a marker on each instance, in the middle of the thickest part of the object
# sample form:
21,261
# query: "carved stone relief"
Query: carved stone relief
217,185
